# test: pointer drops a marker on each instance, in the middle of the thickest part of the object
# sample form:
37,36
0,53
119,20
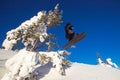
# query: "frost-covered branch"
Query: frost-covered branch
56,58
21,65
54,17
33,31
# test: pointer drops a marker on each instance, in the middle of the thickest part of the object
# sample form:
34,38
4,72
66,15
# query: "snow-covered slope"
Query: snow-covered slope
76,71
79,71
4,55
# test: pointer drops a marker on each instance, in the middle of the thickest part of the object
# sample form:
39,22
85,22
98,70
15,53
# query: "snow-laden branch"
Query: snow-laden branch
56,58
33,31
21,65
24,64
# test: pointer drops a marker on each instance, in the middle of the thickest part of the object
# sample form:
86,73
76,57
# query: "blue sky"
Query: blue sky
100,19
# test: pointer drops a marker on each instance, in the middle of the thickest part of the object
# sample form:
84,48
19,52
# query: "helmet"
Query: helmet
71,27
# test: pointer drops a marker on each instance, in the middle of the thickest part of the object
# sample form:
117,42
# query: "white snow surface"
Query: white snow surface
75,71
4,55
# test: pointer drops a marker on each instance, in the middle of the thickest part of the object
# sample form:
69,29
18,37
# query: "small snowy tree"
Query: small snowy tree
99,60
108,62
32,33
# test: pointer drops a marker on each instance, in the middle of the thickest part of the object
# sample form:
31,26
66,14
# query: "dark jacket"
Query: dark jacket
69,33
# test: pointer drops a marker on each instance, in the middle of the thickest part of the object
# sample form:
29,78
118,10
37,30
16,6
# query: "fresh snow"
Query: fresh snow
79,71
4,55
75,71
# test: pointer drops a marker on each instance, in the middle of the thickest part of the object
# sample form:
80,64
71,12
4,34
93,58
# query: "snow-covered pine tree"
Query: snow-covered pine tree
26,65
34,30
108,62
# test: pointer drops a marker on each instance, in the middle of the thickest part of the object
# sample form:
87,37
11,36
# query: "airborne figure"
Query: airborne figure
69,31
71,36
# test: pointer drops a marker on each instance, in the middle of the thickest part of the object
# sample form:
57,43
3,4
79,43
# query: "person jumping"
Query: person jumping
69,31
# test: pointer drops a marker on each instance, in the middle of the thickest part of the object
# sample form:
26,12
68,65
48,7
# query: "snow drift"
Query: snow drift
75,71
24,64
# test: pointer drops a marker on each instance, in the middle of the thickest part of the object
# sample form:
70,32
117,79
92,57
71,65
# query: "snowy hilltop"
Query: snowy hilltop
38,60
75,71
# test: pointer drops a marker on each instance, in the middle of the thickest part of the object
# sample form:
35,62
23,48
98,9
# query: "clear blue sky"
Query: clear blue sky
100,19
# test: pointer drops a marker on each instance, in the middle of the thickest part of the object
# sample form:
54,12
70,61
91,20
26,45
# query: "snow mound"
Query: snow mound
75,71
4,55
25,64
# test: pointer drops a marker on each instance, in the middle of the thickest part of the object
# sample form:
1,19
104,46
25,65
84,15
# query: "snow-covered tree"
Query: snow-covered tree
108,62
99,60
33,32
